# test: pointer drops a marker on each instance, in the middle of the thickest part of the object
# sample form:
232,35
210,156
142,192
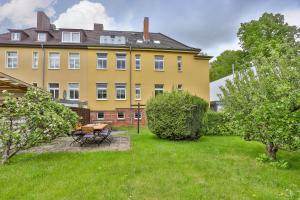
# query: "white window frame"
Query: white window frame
123,59
160,89
179,64
57,62
54,89
117,90
101,88
157,58
135,117
15,36
138,59
138,88
35,60
102,117
102,60
73,89
72,61
71,37
14,64
42,39
123,118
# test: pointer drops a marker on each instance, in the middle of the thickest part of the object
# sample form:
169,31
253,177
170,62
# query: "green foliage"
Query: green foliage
258,38
176,115
222,66
266,105
217,124
32,119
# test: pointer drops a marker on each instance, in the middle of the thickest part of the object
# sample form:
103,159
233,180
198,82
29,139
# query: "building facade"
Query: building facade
109,70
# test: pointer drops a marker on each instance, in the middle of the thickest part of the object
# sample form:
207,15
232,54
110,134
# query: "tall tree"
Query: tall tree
257,39
269,33
222,66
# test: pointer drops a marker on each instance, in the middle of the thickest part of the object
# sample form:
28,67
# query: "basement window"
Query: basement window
120,115
100,115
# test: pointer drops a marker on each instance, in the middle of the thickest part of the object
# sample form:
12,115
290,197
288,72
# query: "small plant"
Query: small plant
263,158
176,115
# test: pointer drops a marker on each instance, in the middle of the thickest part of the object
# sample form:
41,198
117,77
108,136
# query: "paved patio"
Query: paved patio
120,141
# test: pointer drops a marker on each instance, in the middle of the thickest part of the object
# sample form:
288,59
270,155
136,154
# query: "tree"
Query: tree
222,66
265,104
30,120
259,37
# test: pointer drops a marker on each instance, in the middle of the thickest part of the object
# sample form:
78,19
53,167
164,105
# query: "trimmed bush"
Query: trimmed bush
176,115
216,124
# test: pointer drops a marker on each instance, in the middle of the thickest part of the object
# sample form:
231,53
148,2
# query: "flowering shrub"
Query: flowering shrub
32,119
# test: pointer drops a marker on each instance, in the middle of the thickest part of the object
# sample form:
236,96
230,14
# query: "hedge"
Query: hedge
217,124
176,115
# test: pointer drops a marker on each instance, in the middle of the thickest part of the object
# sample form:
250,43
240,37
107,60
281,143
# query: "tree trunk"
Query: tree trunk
271,151
5,155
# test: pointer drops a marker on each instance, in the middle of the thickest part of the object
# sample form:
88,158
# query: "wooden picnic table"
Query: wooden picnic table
91,132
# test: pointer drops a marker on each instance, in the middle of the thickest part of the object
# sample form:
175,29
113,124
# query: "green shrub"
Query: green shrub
176,115
216,124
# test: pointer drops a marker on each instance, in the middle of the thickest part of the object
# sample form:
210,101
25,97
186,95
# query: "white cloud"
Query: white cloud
23,13
84,14
292,17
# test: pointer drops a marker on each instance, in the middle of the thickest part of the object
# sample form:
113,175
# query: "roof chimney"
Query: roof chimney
98,27
43,21
146,29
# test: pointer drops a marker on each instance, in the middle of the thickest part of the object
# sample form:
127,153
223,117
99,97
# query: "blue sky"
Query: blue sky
207,24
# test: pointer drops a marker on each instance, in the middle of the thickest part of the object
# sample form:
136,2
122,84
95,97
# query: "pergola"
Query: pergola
12,85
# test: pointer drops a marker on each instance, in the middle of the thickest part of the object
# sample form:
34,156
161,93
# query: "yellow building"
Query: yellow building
108,70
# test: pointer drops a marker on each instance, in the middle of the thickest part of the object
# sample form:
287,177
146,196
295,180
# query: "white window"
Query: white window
138,91
54,60
42,37
15,36
101,91
73,91
121,61
137,62
179,87
179,63
159,89
120,115
159,63
138,115
101,60
71,37
74,61
35,60
120,91
53,88
100,115
11,59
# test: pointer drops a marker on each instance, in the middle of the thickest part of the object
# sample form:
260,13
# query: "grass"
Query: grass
210,168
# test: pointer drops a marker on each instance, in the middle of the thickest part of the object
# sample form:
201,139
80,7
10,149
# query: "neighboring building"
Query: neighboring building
109,70
215,91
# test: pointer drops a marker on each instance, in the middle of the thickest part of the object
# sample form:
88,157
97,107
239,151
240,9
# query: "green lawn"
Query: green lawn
211,168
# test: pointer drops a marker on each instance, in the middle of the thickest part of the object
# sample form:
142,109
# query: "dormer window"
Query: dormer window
72,37
15,36
42,37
